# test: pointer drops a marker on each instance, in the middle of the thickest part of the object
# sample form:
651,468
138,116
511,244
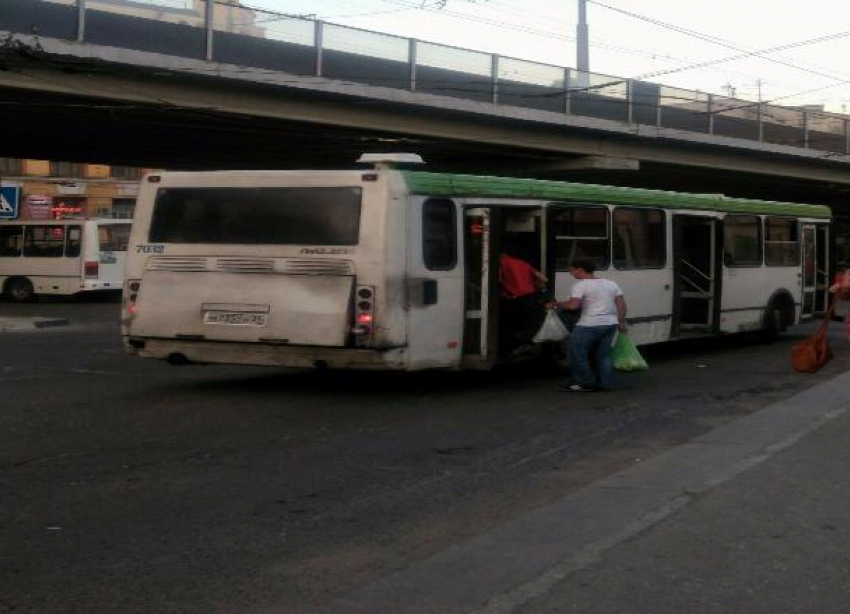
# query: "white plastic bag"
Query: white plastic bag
552,329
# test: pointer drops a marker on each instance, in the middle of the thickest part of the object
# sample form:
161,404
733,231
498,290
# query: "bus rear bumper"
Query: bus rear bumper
96,285
180,351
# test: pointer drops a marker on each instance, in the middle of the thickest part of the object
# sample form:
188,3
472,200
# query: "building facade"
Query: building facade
51,189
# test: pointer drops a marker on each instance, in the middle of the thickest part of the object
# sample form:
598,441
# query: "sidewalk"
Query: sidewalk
776,539
752,517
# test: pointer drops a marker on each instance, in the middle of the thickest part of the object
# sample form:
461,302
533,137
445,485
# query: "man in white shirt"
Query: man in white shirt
603,311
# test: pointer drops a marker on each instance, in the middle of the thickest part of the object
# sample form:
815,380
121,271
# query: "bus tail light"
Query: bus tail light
364,315
91,269
131,294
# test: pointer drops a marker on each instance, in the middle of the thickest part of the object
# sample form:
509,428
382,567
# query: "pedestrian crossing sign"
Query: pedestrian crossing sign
9,200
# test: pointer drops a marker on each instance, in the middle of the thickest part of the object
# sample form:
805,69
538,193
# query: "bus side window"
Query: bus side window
581,232
44,241
639,238
742,240
11,240
439,234
781,242
73,241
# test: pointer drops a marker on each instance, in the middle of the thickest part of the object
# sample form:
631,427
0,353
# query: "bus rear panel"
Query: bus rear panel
261,268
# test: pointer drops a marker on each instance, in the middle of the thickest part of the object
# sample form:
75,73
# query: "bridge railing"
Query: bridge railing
225,31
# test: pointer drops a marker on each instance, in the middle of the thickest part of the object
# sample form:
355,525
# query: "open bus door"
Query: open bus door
696,254
808,275
823,272
488,231
815,272
481,304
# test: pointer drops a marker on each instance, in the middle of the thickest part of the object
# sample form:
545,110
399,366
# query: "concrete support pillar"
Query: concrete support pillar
494,77
582,39
319,31
412,49
710,111
209,24
806,129
81,20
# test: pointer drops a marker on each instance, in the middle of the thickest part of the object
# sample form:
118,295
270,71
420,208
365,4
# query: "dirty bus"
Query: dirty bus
396,269
62,257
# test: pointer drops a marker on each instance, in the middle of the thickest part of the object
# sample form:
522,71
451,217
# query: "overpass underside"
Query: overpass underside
81,101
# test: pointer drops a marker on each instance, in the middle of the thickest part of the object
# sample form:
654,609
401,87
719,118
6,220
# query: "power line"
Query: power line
744,53
274,16
757,53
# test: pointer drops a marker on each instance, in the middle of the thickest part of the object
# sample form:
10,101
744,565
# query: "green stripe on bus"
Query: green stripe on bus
444,184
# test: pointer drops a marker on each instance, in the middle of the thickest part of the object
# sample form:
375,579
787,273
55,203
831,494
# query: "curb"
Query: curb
8,325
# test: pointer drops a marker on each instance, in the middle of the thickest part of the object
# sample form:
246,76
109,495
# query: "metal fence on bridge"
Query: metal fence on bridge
227,32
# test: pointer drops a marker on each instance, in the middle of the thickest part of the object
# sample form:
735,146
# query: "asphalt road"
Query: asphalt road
134,486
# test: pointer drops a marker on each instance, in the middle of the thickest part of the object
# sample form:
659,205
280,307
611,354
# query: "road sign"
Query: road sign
9,200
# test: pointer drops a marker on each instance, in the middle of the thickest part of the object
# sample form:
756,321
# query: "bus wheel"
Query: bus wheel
773,322
20,289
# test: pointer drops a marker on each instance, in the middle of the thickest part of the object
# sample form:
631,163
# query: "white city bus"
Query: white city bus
63,257
393,269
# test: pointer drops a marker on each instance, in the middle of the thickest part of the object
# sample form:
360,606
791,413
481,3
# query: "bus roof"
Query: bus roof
445,184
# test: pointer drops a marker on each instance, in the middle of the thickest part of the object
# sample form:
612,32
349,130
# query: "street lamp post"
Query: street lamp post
582,51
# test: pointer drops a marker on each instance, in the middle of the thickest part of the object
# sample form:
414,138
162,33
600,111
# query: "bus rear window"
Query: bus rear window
268,216
113,237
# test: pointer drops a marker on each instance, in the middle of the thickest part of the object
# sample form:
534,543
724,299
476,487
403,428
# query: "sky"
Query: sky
678,43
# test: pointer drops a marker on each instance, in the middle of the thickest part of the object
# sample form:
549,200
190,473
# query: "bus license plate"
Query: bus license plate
235,318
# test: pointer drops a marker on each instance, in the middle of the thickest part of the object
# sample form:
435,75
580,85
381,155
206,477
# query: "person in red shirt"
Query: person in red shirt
521,312
517,278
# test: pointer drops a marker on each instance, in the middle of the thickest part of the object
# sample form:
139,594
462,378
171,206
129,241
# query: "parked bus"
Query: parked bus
397,269
63,257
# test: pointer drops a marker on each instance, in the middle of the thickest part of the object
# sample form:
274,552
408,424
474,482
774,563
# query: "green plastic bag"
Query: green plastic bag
626,356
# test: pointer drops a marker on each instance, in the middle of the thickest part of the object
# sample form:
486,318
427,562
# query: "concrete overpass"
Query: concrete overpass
133,83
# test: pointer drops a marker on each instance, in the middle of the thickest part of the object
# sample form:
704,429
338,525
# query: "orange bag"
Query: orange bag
813,352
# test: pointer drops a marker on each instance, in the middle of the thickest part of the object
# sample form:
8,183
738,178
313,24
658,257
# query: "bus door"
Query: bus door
108,247
481,308
823,273
696,283
435,286
815,274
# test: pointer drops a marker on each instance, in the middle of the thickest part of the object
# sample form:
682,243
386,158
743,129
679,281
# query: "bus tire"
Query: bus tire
778,315
20,289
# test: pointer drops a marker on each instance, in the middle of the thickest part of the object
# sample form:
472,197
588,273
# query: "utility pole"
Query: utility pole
582,50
